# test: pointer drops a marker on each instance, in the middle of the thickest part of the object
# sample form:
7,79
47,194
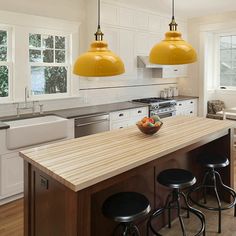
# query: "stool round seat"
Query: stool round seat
176,178
126,206
214,161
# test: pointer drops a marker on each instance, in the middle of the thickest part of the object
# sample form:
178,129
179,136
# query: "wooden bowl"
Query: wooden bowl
149,130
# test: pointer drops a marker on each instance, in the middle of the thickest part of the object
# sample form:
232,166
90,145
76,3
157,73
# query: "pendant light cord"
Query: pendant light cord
99,34
173,9
99,14
173,25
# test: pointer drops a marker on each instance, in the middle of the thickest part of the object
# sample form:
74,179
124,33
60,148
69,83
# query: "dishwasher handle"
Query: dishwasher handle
91,123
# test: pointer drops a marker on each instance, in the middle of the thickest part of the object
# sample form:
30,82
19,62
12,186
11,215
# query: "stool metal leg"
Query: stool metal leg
169,215
198,213
218,201
126,230
179,215
214,175
135,231
176,196
205,188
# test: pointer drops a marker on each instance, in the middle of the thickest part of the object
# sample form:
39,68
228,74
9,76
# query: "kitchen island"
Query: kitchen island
67,182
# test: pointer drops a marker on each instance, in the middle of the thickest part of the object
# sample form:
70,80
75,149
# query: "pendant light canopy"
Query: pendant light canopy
173,50
99,61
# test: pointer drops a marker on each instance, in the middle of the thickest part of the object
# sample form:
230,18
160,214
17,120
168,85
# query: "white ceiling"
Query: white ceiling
186,8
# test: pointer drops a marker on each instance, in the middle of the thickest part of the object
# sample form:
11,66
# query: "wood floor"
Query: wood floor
11,221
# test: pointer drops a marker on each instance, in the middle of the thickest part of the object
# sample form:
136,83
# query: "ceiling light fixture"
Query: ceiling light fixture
173,50
99,61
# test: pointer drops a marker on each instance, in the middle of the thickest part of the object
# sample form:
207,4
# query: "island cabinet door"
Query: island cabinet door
52,208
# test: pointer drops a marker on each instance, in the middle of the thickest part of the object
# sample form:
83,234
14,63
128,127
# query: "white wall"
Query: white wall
63,9
130,31
199,31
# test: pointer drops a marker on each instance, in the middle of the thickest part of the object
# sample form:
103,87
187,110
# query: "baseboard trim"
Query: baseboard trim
11,199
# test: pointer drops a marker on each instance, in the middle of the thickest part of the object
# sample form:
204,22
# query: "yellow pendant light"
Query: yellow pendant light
99,61
173,50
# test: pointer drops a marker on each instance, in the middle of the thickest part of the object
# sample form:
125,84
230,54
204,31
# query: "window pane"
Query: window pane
225,68
35,40
233,41
48,80
234,54
225,55
3,53
48,41
35,55
4,90
234,65
48,56
60,56
225,42
226,80
60,42
3,37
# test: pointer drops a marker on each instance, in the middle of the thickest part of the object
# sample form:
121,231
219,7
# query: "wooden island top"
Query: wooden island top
83,162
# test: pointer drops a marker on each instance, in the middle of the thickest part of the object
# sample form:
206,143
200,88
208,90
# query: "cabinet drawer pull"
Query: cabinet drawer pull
121,114
191,112
180,104
191,102
175,69
139,112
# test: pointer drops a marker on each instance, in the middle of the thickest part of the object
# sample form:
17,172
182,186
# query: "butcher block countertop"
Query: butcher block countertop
83,162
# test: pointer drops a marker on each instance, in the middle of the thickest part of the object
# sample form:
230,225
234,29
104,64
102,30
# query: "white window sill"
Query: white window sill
226,91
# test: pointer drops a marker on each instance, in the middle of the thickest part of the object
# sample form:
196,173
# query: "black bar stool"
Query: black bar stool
125,208
212,162
177,179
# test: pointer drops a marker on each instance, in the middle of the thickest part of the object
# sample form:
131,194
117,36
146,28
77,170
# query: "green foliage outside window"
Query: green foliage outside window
4,87
3,81
56,80
48,49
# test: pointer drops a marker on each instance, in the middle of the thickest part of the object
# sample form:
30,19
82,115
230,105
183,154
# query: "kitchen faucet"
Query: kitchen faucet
26,104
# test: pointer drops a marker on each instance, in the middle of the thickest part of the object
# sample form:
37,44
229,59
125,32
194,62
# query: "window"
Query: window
4,64
49,64
228,61
37,53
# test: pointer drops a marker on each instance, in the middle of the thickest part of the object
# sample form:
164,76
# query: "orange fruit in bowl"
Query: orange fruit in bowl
145,119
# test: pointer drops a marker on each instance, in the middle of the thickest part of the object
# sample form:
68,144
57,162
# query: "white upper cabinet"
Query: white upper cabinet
174,71
109,14
127,51
126,17
133,32
153,39
142,43
141,20
111,36
155,23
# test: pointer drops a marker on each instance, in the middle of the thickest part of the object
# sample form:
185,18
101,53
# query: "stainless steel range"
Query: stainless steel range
159,106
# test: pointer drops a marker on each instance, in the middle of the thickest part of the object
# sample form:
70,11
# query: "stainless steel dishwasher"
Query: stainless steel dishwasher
91,124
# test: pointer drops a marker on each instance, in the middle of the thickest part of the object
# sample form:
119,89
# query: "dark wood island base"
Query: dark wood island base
52,209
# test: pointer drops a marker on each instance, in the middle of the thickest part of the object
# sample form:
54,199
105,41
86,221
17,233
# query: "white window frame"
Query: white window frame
67,64
217,66
20,26
8,63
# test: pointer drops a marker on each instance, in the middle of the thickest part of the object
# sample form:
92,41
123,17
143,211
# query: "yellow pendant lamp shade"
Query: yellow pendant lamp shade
99,61
173,50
